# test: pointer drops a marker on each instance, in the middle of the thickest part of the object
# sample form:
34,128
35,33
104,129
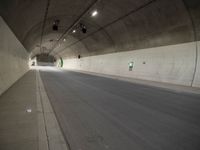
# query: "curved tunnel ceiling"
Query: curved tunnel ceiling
119,26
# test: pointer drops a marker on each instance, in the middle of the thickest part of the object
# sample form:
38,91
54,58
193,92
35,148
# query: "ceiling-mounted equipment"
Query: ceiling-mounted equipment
55,25
83,28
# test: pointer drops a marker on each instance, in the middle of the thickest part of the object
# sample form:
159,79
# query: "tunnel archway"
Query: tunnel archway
142,27
100,74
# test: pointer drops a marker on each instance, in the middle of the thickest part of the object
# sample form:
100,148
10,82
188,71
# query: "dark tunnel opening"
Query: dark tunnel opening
45,59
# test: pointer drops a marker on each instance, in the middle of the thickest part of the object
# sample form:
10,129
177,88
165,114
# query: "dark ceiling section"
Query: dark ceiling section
23,15
119,26
193,7
45,58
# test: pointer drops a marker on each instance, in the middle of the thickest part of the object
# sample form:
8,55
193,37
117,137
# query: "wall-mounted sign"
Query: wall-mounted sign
130,65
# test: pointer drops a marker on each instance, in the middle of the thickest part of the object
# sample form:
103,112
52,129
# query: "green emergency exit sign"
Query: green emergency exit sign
131,64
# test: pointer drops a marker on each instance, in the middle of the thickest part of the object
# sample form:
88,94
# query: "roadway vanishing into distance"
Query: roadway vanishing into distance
97,113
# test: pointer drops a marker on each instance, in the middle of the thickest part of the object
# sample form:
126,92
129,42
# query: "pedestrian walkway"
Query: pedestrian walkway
18,116
27,120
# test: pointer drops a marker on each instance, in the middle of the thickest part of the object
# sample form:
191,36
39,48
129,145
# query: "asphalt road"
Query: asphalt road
97,113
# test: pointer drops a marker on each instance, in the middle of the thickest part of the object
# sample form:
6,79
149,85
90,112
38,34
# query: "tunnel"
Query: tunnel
99,74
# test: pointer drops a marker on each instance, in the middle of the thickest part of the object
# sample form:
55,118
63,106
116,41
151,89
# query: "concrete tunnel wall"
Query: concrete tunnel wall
159,36
172,64
161,40
13,57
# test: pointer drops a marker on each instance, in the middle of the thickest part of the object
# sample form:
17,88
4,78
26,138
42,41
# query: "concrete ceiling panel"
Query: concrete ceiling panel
119,26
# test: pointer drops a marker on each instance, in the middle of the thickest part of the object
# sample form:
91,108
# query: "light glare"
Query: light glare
29,110
94,13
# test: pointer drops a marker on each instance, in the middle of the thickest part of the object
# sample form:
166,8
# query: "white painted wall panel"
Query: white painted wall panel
197,75
172,64
13,57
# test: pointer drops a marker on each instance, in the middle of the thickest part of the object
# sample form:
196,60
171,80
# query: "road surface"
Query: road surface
97,113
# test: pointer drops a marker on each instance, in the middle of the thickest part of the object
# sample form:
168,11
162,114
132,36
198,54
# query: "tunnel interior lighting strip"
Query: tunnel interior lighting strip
68,30
107,25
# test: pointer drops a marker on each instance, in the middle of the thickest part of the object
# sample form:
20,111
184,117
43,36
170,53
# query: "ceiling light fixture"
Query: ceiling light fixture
83,28
55,25
94,13
29,110
74,31
64,40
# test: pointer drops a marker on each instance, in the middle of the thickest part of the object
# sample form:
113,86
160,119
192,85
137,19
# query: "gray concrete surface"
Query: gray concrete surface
13,57
98,113
18,128
175,64
167,86
27,121
50,136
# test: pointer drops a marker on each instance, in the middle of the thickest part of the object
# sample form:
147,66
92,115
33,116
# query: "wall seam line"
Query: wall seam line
196,42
